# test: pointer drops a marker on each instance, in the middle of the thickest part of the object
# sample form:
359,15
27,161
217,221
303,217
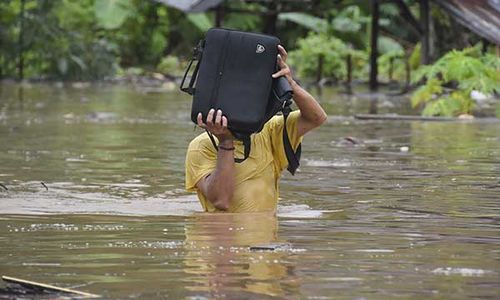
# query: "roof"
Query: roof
480,16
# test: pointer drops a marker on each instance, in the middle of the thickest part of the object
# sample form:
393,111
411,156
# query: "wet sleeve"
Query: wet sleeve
275,131
200,161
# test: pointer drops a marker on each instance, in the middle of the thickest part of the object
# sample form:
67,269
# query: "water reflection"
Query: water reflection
218,255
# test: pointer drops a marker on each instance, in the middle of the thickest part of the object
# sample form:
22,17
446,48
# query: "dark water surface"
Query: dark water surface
410,211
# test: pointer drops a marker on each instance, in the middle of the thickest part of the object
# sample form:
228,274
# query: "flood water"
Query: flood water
93,198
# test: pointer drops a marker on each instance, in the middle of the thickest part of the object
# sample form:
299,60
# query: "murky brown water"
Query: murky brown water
411,211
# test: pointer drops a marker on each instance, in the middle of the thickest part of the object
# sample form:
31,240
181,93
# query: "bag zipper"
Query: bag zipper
220,72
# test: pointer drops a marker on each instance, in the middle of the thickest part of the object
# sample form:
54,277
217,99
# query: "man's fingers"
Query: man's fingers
218,117
224,122
281,62
200,120
283,52
280,73
210,117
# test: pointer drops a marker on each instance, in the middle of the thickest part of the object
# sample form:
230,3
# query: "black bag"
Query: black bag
233,74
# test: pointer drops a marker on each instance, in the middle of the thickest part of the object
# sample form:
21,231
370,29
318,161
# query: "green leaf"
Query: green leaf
431,109
306,20
111,14
158,43
78,61
414,59
345,24
387,44
427,92
62,65
201,21
242,21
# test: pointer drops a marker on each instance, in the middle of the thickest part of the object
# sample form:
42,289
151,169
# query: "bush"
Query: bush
169,65
451,80
334,52
398,65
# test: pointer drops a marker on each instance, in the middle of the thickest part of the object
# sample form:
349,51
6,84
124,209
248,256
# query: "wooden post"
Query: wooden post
373,106
391,68
270,18
319,72
425,37
373,42
349,73
408,73
21,42
484,45
219,15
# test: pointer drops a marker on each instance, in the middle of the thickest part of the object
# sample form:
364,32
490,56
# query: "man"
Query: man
250,186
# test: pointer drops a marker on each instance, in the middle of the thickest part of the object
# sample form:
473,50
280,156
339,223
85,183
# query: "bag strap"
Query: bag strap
246,150
246,144
293,157
197,54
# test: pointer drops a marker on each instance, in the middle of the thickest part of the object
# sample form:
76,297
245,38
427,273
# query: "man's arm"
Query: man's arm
312,114
218,186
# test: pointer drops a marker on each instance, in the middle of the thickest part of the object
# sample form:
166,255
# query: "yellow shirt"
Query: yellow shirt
256,182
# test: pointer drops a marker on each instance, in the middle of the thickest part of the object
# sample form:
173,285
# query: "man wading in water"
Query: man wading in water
253,185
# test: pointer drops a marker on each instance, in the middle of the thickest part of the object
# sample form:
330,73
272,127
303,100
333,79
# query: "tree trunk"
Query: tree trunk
21,42
374,48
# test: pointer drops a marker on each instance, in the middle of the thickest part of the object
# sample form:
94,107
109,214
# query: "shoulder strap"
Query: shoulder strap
246,151
246,144
293,157
197,54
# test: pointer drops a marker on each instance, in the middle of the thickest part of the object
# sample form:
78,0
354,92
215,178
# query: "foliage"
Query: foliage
465,71
169,65
92,39
80,40
333,51
346,33
392,62
200,20
112,13
310,22
347,24
143,37
415,57
53,44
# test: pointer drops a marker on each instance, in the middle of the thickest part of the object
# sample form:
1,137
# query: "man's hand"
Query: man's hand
311,113
284,68
218,186
216,125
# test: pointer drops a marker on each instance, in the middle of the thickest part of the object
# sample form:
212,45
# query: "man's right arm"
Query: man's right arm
218,186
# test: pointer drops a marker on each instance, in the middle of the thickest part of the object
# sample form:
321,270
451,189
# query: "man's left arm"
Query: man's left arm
312,114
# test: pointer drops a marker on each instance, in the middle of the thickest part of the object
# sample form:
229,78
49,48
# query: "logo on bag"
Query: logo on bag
260,49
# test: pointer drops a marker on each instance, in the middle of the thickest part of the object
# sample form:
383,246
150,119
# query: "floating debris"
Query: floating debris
36,288
270,247
467,272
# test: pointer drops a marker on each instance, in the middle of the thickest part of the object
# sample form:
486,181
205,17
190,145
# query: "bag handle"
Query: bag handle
197,55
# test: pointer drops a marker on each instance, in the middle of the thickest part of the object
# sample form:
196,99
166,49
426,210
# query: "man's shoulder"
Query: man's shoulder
200,142
278,120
